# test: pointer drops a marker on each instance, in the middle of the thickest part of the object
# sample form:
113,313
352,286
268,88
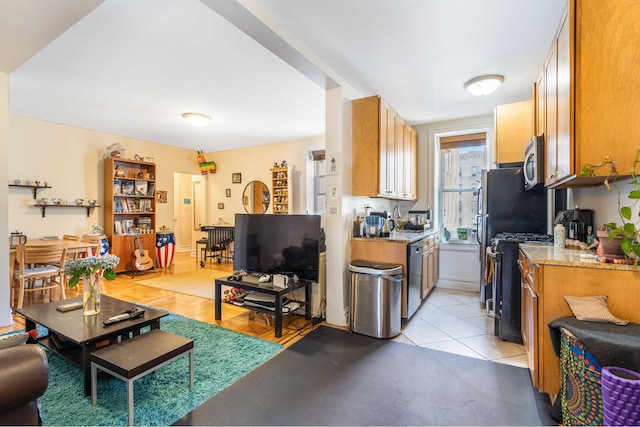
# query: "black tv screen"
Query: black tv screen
278,244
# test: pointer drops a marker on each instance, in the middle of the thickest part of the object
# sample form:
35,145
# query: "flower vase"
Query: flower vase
91,295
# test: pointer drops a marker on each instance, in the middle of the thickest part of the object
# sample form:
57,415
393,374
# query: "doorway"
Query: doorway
188,210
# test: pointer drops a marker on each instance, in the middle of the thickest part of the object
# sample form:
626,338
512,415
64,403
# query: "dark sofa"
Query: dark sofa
24,376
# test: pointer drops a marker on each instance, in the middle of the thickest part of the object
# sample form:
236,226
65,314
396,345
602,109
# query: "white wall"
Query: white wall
254,163
70,160
5,312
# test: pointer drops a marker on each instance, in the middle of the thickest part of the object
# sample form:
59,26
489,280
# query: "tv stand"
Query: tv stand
251,283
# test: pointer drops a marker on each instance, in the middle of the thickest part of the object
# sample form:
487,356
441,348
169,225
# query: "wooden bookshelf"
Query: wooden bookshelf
130,208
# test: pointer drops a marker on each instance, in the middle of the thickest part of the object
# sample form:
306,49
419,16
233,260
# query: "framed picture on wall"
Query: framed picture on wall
220,205
228,192
236,178
161,196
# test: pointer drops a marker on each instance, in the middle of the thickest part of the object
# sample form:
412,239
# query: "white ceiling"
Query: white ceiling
132,68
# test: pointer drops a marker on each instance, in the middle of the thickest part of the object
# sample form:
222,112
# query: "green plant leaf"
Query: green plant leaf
634,194
629,229
110,274
615,232
626,245
625,211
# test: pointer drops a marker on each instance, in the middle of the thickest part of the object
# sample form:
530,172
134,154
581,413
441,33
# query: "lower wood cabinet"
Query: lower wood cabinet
429,264
124,246
549,284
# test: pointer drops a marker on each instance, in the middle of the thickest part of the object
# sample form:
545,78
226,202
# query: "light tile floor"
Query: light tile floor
454,321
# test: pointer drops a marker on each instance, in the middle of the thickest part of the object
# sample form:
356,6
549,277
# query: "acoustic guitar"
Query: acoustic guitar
143,261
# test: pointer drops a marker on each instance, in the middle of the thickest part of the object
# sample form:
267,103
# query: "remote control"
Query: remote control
132,313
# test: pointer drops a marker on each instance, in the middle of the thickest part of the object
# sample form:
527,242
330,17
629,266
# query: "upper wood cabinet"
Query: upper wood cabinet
514,129
384,151
593,91
539,115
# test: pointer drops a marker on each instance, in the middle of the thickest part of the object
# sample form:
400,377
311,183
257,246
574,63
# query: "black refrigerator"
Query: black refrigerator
504,206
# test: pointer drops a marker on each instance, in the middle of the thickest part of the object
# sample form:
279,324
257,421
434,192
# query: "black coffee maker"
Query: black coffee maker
564,217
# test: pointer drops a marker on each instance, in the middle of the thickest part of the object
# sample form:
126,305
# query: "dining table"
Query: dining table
73,247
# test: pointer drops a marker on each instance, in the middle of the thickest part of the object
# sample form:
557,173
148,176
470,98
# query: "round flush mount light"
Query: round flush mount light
483,85
197,119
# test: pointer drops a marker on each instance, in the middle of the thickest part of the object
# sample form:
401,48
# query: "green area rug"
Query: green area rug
221,358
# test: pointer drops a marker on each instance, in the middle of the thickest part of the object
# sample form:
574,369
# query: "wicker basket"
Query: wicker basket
620,396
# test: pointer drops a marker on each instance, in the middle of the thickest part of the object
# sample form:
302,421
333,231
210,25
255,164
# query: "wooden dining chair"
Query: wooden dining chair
42,264
95,242
72,237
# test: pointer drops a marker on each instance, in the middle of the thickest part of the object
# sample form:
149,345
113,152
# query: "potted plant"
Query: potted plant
91,270
628,230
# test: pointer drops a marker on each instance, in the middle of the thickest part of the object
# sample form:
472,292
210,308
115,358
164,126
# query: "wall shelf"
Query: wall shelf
34,188
87,207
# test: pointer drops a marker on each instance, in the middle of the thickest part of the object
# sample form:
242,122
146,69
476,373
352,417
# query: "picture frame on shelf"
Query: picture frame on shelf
236,178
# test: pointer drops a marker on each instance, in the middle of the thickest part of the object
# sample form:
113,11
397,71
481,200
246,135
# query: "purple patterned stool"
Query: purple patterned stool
621,396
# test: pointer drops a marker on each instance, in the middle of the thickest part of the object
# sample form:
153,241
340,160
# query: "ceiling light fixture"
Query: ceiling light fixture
483,85
197,119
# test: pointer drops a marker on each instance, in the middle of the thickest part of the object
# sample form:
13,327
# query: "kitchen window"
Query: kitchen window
461,163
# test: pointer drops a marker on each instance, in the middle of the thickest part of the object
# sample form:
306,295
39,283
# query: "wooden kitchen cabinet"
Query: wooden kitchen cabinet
429,264
514,129
539,122
381,166
551,283
529,314
592,90
408,172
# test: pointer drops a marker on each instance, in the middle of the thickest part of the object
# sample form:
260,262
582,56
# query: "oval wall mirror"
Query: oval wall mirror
256,197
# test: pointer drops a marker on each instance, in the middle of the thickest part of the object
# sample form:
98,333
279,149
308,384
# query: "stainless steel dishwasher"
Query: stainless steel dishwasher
414,277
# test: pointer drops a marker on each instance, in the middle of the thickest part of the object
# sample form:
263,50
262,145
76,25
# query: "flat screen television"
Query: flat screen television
278,244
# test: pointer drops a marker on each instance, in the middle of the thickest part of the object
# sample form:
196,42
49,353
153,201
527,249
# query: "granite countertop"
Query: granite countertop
567,257
401,236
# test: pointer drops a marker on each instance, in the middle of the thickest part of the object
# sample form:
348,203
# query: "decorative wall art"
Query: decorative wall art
220,205
205,166
228,192
236,178
161,196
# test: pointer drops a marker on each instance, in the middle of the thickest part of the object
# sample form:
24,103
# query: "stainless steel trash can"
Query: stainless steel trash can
374,308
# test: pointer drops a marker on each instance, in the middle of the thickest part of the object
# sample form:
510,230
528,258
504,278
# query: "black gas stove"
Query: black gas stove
521,238
506,281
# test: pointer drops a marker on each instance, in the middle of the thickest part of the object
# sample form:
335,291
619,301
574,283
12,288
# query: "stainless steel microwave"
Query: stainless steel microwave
534,163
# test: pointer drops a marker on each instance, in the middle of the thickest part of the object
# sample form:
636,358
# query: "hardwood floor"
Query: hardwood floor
239,319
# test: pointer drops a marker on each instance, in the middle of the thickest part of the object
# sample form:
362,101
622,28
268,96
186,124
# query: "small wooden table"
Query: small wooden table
251,283
82,334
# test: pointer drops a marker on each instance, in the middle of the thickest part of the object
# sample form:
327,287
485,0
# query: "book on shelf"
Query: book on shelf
141,188
151,190
127,226
128,188
117,186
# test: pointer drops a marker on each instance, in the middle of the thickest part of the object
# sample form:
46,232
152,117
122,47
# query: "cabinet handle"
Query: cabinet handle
526,286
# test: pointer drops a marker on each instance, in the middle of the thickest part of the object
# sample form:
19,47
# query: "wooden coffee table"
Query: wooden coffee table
76,336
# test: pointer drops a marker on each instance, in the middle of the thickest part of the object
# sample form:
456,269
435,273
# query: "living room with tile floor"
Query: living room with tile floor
453,321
